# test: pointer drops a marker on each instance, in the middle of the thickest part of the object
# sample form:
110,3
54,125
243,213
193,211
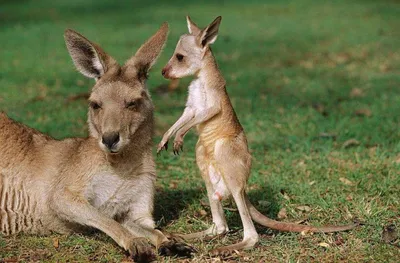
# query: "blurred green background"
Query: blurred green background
315,84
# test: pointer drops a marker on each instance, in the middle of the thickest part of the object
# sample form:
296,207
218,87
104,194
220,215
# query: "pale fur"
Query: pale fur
222,153
47,185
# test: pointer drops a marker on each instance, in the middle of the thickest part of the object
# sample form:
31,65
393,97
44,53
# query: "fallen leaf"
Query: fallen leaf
341,58
306,233
203,212
349,198
363,112
324,244
384,67
389,234
350,143
285,195
339,241
307,64
346,181
311,183
301,163
282,214
173,185
372,151
356,93
56,243
304,208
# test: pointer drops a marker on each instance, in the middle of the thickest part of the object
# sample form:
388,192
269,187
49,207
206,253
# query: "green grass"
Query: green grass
295,70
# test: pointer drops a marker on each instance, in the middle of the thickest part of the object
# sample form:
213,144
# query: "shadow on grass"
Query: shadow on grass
169,205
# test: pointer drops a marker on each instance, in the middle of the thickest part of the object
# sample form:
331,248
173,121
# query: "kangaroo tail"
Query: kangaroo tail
291,227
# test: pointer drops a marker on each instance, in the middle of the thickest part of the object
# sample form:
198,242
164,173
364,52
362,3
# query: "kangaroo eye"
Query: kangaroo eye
131,105
94,105
179,57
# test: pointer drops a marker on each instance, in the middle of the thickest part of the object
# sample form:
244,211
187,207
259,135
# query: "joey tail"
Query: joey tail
291,227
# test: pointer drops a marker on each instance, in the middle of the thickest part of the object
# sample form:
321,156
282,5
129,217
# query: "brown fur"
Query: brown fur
61,186
222,153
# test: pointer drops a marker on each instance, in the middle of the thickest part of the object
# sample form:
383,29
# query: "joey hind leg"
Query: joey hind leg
219,225
235,161
219,222
250,236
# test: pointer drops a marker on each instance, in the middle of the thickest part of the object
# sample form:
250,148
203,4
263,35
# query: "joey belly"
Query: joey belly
221,192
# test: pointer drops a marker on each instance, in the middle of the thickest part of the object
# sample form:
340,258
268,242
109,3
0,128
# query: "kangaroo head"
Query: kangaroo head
119,103
189,53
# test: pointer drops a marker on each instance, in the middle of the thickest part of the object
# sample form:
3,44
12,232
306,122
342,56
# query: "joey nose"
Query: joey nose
110,139
164,71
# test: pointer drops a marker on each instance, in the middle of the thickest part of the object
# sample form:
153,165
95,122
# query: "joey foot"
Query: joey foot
178,146
162,145
141,250
173,247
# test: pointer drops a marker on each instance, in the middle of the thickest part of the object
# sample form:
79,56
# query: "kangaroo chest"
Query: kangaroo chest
198,98
104,187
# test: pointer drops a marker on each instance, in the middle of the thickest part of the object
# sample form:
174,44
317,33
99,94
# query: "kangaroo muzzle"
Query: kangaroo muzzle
110,140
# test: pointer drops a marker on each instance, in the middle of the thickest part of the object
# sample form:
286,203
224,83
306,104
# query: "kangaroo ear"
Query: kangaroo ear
192,27
139,65
88,57
210,33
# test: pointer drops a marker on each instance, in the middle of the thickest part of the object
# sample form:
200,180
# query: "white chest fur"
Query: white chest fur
103,188
197,99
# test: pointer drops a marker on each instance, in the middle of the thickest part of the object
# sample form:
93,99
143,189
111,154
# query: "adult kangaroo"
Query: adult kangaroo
105,181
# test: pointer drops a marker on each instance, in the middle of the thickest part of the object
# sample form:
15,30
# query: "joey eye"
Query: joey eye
94,105
179,57
131,105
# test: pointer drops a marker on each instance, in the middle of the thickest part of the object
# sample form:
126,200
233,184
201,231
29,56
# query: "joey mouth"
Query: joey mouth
166,73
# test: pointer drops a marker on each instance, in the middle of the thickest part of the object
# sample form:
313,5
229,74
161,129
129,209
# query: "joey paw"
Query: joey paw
161,146
178,146
175,248
141,250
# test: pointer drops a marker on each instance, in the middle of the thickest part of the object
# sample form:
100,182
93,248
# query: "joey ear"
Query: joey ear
139,65
192,27
88,57
210,33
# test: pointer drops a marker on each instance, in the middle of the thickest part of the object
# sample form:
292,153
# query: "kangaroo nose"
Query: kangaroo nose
164,71
110,139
